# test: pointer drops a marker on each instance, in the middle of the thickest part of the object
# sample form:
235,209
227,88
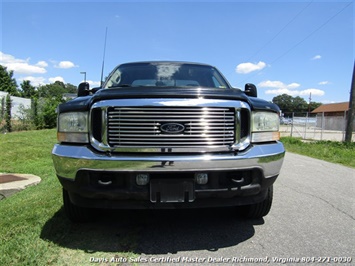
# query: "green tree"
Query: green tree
314,105
8,113
44,101
52,95
70,88
299,105
7,82
49,115
289,104
28,91
36,117
56,90
2,108
285,102
53,90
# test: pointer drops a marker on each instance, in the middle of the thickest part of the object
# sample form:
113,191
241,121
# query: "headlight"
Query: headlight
265,127
73,127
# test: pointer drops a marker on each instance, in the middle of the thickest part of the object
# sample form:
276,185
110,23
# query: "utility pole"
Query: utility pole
84,75
309,103
351,111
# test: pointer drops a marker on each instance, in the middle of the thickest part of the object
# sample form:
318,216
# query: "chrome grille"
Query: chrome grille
142,126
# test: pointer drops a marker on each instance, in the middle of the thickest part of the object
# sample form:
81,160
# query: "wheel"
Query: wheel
261,209
75,213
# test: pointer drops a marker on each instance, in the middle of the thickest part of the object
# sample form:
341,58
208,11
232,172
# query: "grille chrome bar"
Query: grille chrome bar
206,125
138,126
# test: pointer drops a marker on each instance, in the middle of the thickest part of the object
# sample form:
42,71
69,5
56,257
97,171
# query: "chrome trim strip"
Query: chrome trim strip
103,126
237,126
171,102
68,160
205,146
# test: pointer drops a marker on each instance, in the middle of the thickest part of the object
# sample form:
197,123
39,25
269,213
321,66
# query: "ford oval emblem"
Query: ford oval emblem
172,128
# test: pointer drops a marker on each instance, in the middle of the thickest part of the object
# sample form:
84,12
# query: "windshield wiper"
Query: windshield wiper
121,86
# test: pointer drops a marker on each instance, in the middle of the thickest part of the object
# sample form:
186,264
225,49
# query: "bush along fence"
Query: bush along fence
38,114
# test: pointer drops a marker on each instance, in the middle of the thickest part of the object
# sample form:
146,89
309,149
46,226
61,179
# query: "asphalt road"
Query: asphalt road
311,220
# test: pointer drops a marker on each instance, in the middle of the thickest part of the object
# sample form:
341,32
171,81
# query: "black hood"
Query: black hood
168,92
260,104
84,103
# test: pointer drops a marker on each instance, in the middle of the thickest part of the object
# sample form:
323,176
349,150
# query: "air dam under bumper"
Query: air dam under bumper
109,181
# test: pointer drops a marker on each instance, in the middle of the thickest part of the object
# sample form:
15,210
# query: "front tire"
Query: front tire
261,209
75,213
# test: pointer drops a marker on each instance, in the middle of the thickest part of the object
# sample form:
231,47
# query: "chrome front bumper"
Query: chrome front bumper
69,160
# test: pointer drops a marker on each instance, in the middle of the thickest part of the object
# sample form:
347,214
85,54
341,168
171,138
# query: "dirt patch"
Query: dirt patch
10,178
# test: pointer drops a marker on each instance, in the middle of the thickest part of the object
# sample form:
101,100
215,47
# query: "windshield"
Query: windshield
165,75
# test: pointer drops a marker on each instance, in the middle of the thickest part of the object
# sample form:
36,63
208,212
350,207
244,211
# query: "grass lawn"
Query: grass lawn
331,151
34,229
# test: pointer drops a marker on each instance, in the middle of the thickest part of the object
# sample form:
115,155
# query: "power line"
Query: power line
277,34
313,32
305,38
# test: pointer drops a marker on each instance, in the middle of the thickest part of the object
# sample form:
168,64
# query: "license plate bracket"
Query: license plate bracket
172,190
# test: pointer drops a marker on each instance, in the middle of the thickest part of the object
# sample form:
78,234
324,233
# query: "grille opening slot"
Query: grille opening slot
96,122
245,123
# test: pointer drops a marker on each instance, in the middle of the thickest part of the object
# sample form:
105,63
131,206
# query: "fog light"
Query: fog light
142,179
201,178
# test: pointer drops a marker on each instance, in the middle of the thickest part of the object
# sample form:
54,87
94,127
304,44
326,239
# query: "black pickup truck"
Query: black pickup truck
167,135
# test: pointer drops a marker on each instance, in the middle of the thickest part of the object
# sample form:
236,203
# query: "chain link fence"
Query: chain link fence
315,127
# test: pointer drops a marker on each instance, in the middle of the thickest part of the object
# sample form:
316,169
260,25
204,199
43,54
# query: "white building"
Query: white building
16,103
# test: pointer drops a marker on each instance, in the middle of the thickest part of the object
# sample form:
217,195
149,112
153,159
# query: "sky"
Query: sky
301,48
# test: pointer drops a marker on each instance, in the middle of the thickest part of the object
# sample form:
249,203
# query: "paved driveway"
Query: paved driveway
312,217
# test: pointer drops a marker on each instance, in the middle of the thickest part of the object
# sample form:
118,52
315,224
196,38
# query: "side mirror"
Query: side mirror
251,90
83,89
94,90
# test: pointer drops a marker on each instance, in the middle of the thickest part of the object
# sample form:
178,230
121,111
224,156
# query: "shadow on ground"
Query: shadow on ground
152,231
